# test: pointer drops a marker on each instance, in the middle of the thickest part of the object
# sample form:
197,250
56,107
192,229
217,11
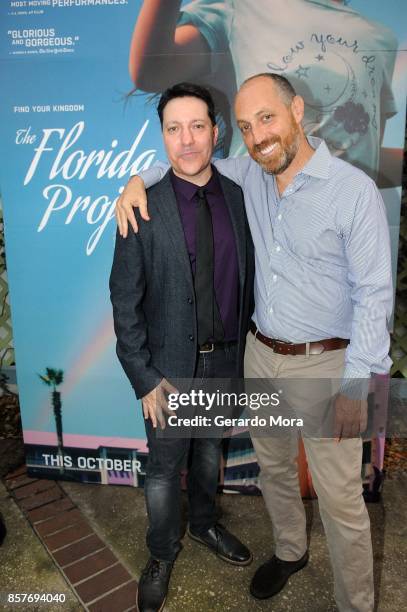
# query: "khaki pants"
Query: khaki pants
336,474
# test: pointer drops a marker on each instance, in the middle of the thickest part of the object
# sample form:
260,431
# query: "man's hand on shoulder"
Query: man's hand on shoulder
155,404
133,196
350,417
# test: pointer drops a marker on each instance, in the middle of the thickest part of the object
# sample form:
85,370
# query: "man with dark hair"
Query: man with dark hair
179,314
185,90
323,299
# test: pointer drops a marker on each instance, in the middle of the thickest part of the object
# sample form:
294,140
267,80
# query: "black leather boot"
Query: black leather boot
224,544
153,585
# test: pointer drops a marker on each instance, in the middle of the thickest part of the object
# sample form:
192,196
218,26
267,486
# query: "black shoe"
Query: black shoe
271,577
153,585
3,531
224,544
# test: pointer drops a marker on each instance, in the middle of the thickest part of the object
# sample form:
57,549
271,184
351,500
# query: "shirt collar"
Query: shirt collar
188,190
319,165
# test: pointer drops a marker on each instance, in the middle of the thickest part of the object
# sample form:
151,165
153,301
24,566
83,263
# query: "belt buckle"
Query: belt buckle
290,347
209,350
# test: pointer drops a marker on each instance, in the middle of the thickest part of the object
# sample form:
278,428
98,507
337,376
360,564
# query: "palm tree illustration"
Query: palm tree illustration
53,378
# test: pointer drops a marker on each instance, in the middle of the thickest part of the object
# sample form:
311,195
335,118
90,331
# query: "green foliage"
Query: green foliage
53,377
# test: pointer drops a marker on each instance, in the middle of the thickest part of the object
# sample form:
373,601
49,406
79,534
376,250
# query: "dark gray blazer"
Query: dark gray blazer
152,291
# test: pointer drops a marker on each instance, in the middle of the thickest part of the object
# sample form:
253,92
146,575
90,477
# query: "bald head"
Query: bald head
269,114
282,85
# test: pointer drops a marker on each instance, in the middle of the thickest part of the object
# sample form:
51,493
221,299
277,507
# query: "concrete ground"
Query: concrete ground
201,582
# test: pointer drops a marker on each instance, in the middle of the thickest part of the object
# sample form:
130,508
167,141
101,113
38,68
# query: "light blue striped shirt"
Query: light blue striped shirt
322,250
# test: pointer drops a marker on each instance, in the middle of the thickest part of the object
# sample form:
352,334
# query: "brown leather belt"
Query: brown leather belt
286,348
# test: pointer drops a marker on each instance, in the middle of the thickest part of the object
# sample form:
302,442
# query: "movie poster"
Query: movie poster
72,132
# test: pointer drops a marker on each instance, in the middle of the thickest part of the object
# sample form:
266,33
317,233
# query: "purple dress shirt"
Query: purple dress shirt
226,281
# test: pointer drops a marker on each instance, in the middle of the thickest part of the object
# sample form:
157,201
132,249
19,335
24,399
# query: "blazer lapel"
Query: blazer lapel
169,212
237,216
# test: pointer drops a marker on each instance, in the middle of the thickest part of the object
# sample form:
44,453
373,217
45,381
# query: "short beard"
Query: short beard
288,153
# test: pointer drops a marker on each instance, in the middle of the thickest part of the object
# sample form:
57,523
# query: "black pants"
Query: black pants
167,457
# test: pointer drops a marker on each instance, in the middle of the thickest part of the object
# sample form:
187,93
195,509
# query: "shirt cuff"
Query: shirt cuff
355,383
153,175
